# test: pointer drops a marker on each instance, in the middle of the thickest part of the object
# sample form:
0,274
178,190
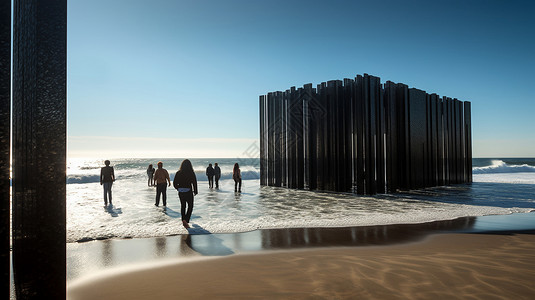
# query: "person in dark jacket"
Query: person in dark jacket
150,175
186,183
210,174
236,175
107,177
217,175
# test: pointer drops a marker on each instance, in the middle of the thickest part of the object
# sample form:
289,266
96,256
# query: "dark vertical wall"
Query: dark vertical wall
5,108
39,148
356,135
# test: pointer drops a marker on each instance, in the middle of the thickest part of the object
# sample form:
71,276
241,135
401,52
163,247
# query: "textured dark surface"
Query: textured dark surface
417,138
39,148
356,135
263,140
5,107
468,138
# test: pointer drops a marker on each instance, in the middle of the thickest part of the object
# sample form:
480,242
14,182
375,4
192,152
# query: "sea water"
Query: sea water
501,186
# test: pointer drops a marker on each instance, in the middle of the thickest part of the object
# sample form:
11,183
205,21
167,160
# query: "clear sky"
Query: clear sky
162,78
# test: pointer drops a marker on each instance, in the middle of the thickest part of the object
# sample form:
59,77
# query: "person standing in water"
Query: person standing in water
161,177
186,183
107,177
236,175
217,171
150,175
210,174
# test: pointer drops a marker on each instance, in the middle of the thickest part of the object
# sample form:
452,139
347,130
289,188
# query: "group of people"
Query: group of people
211,173
215,171
185,182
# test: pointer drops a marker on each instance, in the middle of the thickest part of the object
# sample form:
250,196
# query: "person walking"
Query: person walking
150,175
107,177
236,175
210,174
161,177
186,183
217,171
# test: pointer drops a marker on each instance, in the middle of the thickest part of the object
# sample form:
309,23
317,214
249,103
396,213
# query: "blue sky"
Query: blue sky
182,78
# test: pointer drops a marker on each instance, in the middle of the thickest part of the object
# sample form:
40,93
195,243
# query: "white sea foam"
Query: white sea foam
499,166
223,211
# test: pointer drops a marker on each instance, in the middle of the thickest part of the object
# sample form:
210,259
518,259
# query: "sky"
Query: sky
162,78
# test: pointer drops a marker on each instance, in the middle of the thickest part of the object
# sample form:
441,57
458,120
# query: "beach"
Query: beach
457,242
441,266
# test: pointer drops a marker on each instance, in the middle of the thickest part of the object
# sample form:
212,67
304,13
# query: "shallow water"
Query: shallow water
222,211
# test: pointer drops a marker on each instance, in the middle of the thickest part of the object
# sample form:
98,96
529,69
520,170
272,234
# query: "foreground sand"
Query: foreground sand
443,266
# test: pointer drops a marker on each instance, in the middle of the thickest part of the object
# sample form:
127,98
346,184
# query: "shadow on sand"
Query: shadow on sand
203,242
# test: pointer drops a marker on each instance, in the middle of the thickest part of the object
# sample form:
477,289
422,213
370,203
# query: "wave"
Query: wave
499,166
245,175
94,178
82,179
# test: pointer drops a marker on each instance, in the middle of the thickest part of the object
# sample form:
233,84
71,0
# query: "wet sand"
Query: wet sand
497,265
443,266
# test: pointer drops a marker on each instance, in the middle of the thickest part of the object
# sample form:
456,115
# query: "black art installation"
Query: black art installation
361,136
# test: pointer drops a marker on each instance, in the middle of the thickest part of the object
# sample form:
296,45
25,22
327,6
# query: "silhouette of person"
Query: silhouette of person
161,177
217,171
150,174
210,174
236,175
107,177
186,183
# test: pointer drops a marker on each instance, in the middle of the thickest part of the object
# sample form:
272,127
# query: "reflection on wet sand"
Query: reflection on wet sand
357,236
81,258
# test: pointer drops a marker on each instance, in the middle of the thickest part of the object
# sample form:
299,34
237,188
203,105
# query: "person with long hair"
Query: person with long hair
107,177
236,175
150,175
186,183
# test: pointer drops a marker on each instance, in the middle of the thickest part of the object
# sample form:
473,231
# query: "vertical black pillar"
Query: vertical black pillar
313,118
323,136
347,135
39,148
278,138
262,103
391,136
284,138
270,138
360,125
295,139
5,109
397,132
433,138
309,118
300,153
417,139
459,141
448,143
440,141
468,140
380,137
370,134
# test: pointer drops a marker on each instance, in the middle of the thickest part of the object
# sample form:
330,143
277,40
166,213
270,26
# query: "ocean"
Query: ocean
500,186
